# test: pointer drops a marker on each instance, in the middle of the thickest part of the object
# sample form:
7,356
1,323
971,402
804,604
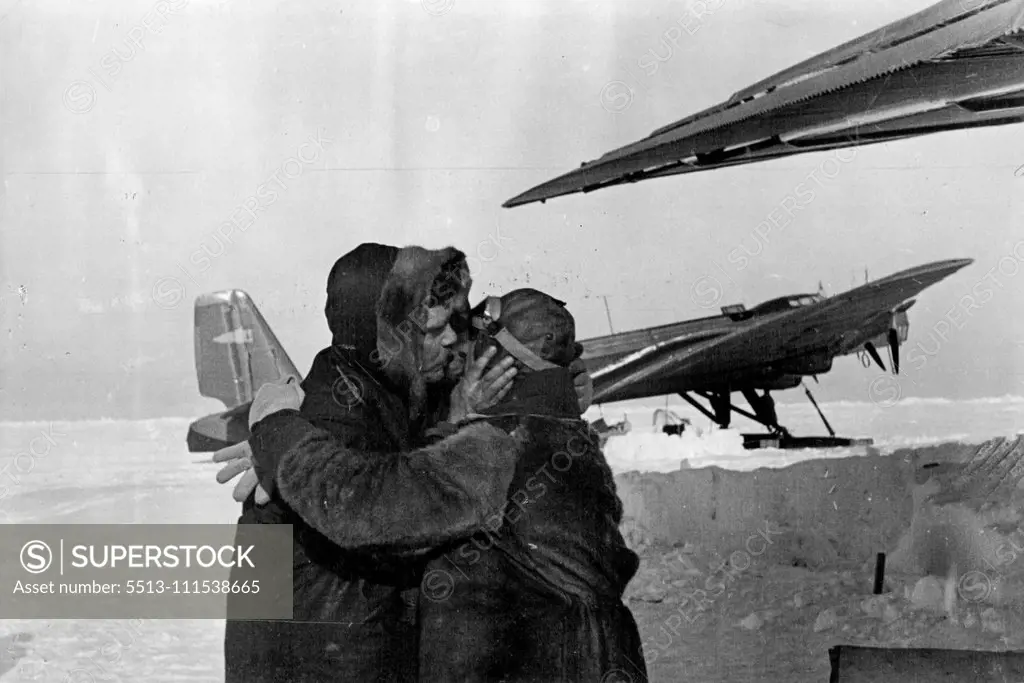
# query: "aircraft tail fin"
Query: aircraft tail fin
236,354
236,351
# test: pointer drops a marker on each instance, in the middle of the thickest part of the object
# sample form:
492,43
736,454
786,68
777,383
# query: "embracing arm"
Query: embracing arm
405,501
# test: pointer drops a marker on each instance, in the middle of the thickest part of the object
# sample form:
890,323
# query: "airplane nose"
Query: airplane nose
953,265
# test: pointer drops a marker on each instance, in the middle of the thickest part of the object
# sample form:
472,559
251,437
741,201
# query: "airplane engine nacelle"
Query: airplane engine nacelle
900,323
779,383
817,364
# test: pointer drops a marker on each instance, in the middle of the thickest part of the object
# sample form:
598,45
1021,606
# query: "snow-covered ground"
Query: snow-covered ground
907,423
121,472
118,473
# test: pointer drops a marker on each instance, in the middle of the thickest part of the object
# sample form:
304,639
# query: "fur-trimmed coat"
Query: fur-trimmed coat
365,502
537,597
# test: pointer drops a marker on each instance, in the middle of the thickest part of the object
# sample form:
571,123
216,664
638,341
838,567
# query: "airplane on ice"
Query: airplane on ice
770,347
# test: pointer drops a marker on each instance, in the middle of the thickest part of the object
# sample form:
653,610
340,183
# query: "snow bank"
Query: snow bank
810,514
954,507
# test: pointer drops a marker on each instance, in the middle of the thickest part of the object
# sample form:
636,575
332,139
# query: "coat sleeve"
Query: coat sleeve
389,502
265,459
347,420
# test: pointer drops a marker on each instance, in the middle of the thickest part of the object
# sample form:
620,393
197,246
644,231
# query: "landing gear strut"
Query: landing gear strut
763,406
831,432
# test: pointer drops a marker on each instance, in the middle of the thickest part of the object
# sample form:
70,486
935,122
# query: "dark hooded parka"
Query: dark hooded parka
538,596
363,500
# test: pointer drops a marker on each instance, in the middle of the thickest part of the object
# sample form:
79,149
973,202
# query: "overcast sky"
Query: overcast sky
415,121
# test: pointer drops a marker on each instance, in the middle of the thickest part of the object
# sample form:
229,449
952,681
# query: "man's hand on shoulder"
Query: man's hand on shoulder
238,459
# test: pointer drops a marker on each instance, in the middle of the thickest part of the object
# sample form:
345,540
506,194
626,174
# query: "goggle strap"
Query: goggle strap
521,352
518,350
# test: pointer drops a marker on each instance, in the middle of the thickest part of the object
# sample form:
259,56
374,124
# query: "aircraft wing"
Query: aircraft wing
822,327
958,64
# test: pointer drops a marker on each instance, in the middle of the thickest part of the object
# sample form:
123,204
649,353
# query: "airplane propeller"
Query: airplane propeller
894,350
873,352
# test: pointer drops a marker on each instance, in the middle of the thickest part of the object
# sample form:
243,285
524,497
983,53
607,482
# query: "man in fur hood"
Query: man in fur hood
353,476
537,594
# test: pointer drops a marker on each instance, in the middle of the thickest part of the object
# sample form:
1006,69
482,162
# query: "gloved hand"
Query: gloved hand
239,461
584,384
271,398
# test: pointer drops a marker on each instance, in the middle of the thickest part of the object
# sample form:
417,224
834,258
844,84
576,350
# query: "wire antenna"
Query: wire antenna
608,311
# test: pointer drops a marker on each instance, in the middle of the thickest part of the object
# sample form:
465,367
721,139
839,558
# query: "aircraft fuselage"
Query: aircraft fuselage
785,373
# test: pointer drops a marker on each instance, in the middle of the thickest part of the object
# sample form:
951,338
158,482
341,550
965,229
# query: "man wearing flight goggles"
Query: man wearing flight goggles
538,594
